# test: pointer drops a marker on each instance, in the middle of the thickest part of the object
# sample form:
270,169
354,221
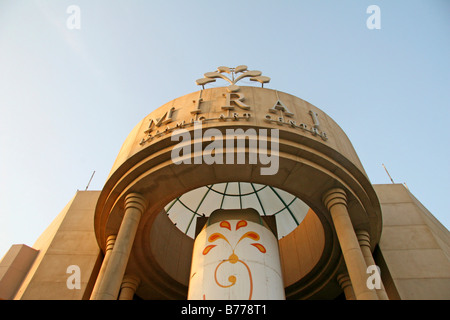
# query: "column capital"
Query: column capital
363,237
334,196
130,281
346,285
135,200
110,241
128,288
344,280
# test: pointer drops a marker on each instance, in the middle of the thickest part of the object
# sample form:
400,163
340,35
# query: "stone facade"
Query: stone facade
118,243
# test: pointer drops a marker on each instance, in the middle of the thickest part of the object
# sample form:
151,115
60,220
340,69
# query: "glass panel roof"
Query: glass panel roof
289,210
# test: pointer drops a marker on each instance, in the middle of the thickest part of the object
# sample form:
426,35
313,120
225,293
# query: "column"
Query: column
346,285
109,246
236,257
364,242
129,286
336,202
115,270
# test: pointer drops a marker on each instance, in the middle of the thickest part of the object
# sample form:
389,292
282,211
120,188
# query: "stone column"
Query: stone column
109,246
129,286
115,270
364,242
346,285
336,202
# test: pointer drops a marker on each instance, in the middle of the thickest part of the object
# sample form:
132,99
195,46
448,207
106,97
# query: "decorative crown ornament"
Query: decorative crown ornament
254,75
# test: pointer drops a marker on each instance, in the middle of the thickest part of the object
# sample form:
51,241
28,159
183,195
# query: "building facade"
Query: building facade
236,192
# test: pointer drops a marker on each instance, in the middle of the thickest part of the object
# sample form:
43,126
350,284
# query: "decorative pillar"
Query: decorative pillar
346,285
236,257
129,286
109,246
364,242
336,202
115,270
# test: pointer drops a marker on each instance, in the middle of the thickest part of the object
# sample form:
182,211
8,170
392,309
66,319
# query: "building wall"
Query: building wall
14,267
68,241
414,245
413,253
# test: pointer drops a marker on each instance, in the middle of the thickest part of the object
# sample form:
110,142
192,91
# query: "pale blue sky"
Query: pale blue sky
69,98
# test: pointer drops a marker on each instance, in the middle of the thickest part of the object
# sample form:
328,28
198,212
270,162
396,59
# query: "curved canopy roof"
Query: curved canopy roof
289,210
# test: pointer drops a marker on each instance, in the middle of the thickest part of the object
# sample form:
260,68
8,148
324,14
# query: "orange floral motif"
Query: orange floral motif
241,224
208,248
233,258
260,247
216,236
225,224
251,234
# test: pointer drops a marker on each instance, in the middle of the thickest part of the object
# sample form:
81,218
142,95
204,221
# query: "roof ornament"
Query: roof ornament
254,75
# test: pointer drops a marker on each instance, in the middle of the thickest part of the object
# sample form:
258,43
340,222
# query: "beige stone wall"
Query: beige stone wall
301,250
414,245
14,267
259,101
69,240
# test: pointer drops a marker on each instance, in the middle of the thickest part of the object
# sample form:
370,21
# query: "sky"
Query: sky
70,96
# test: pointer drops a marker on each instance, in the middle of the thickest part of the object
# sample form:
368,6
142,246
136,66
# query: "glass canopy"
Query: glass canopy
289,210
